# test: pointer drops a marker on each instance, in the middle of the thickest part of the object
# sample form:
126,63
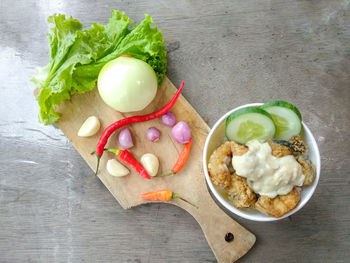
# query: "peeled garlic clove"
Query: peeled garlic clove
151,163
90,127
115,168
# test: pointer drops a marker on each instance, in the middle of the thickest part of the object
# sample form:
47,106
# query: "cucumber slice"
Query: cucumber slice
286,117
249,123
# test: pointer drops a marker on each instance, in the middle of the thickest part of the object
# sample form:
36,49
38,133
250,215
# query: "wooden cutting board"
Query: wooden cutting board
189,183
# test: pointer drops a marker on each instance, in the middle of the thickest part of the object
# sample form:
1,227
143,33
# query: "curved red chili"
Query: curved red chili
121,123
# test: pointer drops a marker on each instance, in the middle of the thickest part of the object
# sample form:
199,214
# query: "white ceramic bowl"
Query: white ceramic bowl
217,136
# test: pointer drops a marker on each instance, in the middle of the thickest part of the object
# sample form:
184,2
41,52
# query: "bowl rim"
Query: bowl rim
239,212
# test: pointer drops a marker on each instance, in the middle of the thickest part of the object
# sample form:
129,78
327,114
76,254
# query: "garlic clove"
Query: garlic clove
90,127
151,163
115,168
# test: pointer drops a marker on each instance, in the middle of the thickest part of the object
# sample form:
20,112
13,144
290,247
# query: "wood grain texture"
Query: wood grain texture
52,208
189,183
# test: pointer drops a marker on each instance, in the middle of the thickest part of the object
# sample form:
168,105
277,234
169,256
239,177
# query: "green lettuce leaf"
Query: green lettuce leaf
77,56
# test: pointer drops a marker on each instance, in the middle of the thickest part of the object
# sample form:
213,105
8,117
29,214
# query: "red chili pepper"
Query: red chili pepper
121,123
159,195
128,158
163,195
181,160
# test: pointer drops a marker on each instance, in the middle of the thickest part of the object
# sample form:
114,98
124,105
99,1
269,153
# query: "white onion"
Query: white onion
181,132
127,84
125,139
153,134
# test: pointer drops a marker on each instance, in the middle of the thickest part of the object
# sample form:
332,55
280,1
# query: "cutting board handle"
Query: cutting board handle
228,240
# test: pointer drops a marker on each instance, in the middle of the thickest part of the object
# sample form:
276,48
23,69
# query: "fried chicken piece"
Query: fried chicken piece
278,206
219,161
237,187
309,171
238,149
217,166
240,193
298,145
279,150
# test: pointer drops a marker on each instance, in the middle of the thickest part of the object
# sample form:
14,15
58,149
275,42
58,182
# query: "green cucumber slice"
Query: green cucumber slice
286,116
249,123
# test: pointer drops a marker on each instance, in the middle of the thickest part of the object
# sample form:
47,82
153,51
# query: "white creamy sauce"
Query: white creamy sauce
266,174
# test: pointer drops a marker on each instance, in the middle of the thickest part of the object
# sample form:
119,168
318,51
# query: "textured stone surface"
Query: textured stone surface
229,53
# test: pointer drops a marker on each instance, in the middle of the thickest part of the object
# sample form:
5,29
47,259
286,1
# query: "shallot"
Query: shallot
125,139
181,132
168,119
153,134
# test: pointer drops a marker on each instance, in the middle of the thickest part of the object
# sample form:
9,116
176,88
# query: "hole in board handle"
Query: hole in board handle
229,237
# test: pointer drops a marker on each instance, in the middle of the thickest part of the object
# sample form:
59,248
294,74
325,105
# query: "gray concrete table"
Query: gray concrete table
52,208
